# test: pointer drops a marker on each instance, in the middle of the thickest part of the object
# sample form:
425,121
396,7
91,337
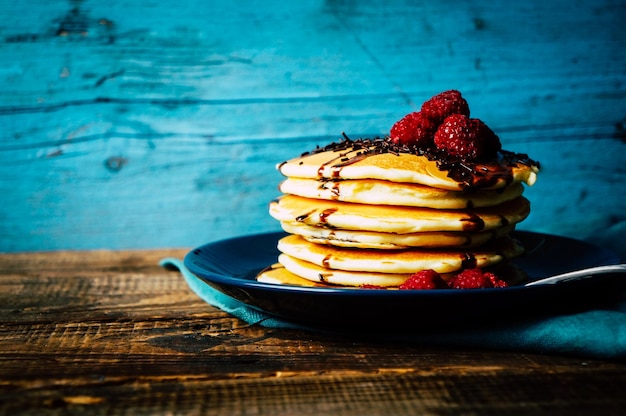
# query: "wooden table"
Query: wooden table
111,332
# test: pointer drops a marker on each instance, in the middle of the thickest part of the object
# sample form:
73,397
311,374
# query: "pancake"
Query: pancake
315,273
361,161
398,261
395,219
379,192
391,241
277,274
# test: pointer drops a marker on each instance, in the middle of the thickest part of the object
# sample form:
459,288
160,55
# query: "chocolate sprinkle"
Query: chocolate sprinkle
472,174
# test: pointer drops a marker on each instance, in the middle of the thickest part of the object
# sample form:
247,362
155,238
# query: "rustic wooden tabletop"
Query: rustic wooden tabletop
111,332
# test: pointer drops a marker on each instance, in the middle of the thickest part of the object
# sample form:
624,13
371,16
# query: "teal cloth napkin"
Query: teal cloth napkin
598,333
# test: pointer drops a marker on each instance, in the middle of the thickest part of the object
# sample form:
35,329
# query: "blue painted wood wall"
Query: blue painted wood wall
138,124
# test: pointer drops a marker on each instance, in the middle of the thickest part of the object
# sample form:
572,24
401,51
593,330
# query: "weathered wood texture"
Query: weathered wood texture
112,333
151,124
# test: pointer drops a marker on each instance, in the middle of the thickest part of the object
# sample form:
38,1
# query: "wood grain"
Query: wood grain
158,124
110,332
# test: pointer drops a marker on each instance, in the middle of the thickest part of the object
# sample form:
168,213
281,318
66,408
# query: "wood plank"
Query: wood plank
111,332
205,50
519,63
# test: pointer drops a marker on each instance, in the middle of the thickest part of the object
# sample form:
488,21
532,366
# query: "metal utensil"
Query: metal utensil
581,274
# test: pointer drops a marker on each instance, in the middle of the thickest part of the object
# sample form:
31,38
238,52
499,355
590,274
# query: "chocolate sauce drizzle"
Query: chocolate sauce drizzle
330,185
326,213
468,261
471,174
473,223
304,216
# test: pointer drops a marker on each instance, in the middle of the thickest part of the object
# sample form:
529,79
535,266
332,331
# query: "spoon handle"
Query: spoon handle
581,274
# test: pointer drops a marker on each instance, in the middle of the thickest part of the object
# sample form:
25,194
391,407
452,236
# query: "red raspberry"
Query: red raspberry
454,136
424,279
445,104
496,281
471,279
466,138
491,142
413,129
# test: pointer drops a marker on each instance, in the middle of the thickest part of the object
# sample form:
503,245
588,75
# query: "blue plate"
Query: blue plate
230,266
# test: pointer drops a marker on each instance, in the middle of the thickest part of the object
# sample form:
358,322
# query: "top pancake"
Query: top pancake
353,163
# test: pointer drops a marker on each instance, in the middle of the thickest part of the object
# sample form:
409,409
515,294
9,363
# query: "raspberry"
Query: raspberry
444,122
413,129
496,281
445,104
424,279
454,136
491,142
472,279
466,138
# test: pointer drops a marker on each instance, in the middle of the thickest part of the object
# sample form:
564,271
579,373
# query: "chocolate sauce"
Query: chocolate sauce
303,217
473,223
327,213
333,186
468,261
336,171
335,167
326,261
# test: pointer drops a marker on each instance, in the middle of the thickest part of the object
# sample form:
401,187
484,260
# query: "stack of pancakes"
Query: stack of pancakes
359,215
